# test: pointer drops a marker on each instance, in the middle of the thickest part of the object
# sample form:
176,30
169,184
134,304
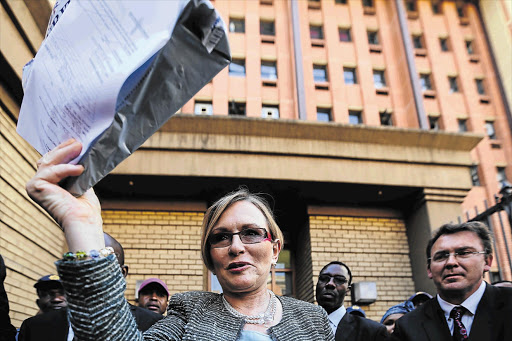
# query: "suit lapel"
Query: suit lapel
488,318
435,325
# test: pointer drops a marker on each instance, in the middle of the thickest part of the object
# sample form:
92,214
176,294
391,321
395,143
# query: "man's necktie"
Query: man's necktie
459,330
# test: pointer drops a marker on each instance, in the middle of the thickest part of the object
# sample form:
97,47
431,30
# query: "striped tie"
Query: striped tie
459,330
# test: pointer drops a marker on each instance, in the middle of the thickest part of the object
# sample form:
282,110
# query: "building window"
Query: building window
475,179
344,34
349,75
411,5
236,25
463,125
434,122
203,108
323,114
267,28
469,47
367,3
425,82
373,37
314,4
444,44
236,109
268,70
437,7
385,118
316,32
379,79
237,68
454,85
281,275
270,111
320,73
417,41
502,174
480,86
461,12
489,129
354,117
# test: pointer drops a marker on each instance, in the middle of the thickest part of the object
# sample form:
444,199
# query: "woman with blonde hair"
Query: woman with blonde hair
240,242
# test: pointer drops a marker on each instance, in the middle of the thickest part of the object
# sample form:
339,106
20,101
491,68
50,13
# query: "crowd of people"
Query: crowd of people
240,243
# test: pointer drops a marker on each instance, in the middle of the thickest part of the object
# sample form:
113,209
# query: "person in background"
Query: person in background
394,313
465,307
356,310
50,293
419,298
240,242
143,317
332,287
503,283
7,330
153,295
51,322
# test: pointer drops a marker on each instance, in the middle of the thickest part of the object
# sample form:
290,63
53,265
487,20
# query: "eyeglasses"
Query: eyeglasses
338,280
251,235
442,256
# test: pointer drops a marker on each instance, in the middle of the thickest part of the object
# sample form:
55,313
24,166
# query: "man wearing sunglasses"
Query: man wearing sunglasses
332,286
465,308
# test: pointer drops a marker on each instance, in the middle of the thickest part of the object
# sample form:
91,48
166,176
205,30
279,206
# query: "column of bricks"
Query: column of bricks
375,249
159,244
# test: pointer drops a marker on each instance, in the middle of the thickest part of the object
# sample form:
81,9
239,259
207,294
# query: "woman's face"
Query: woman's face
389,322
243,267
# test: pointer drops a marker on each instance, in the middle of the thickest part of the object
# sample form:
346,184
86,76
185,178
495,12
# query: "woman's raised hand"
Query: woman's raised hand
79,217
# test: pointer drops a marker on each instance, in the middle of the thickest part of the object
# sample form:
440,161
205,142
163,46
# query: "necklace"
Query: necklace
264,318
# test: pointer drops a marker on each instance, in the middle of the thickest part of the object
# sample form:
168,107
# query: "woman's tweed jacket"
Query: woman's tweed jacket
99,311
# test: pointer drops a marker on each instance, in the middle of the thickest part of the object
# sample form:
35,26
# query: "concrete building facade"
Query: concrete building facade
368,124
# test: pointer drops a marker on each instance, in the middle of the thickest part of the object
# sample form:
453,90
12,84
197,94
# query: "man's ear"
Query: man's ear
124,270
38,302
429,273
488,263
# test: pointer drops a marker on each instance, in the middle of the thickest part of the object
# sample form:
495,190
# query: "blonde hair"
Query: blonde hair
213,214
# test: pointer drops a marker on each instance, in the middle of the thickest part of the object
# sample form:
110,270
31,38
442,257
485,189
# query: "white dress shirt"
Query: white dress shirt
471,303
335,318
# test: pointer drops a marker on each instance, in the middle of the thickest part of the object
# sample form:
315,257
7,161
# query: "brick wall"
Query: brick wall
159,244
30,241
375,249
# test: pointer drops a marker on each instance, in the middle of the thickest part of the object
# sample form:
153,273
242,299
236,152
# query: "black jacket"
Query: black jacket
493,320
7,330
54,325
357,328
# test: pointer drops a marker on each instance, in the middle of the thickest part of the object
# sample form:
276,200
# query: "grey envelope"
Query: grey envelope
197,51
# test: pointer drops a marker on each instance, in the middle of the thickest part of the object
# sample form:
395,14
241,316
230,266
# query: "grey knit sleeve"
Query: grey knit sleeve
96,305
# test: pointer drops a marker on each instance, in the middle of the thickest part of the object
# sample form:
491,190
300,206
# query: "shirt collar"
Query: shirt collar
471,303
336,316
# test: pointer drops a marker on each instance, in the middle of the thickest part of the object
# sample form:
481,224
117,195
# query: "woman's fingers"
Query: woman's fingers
63,153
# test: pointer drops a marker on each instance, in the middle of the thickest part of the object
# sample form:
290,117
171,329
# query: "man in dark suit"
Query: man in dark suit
332,286
7,330
145,318
465,308
54,324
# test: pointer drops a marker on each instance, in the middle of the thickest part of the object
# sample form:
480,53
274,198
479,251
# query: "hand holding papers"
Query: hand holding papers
111,73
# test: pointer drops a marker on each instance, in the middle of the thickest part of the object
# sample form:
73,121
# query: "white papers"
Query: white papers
74,80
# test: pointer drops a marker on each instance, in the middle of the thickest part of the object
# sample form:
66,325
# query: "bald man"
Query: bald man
145,318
